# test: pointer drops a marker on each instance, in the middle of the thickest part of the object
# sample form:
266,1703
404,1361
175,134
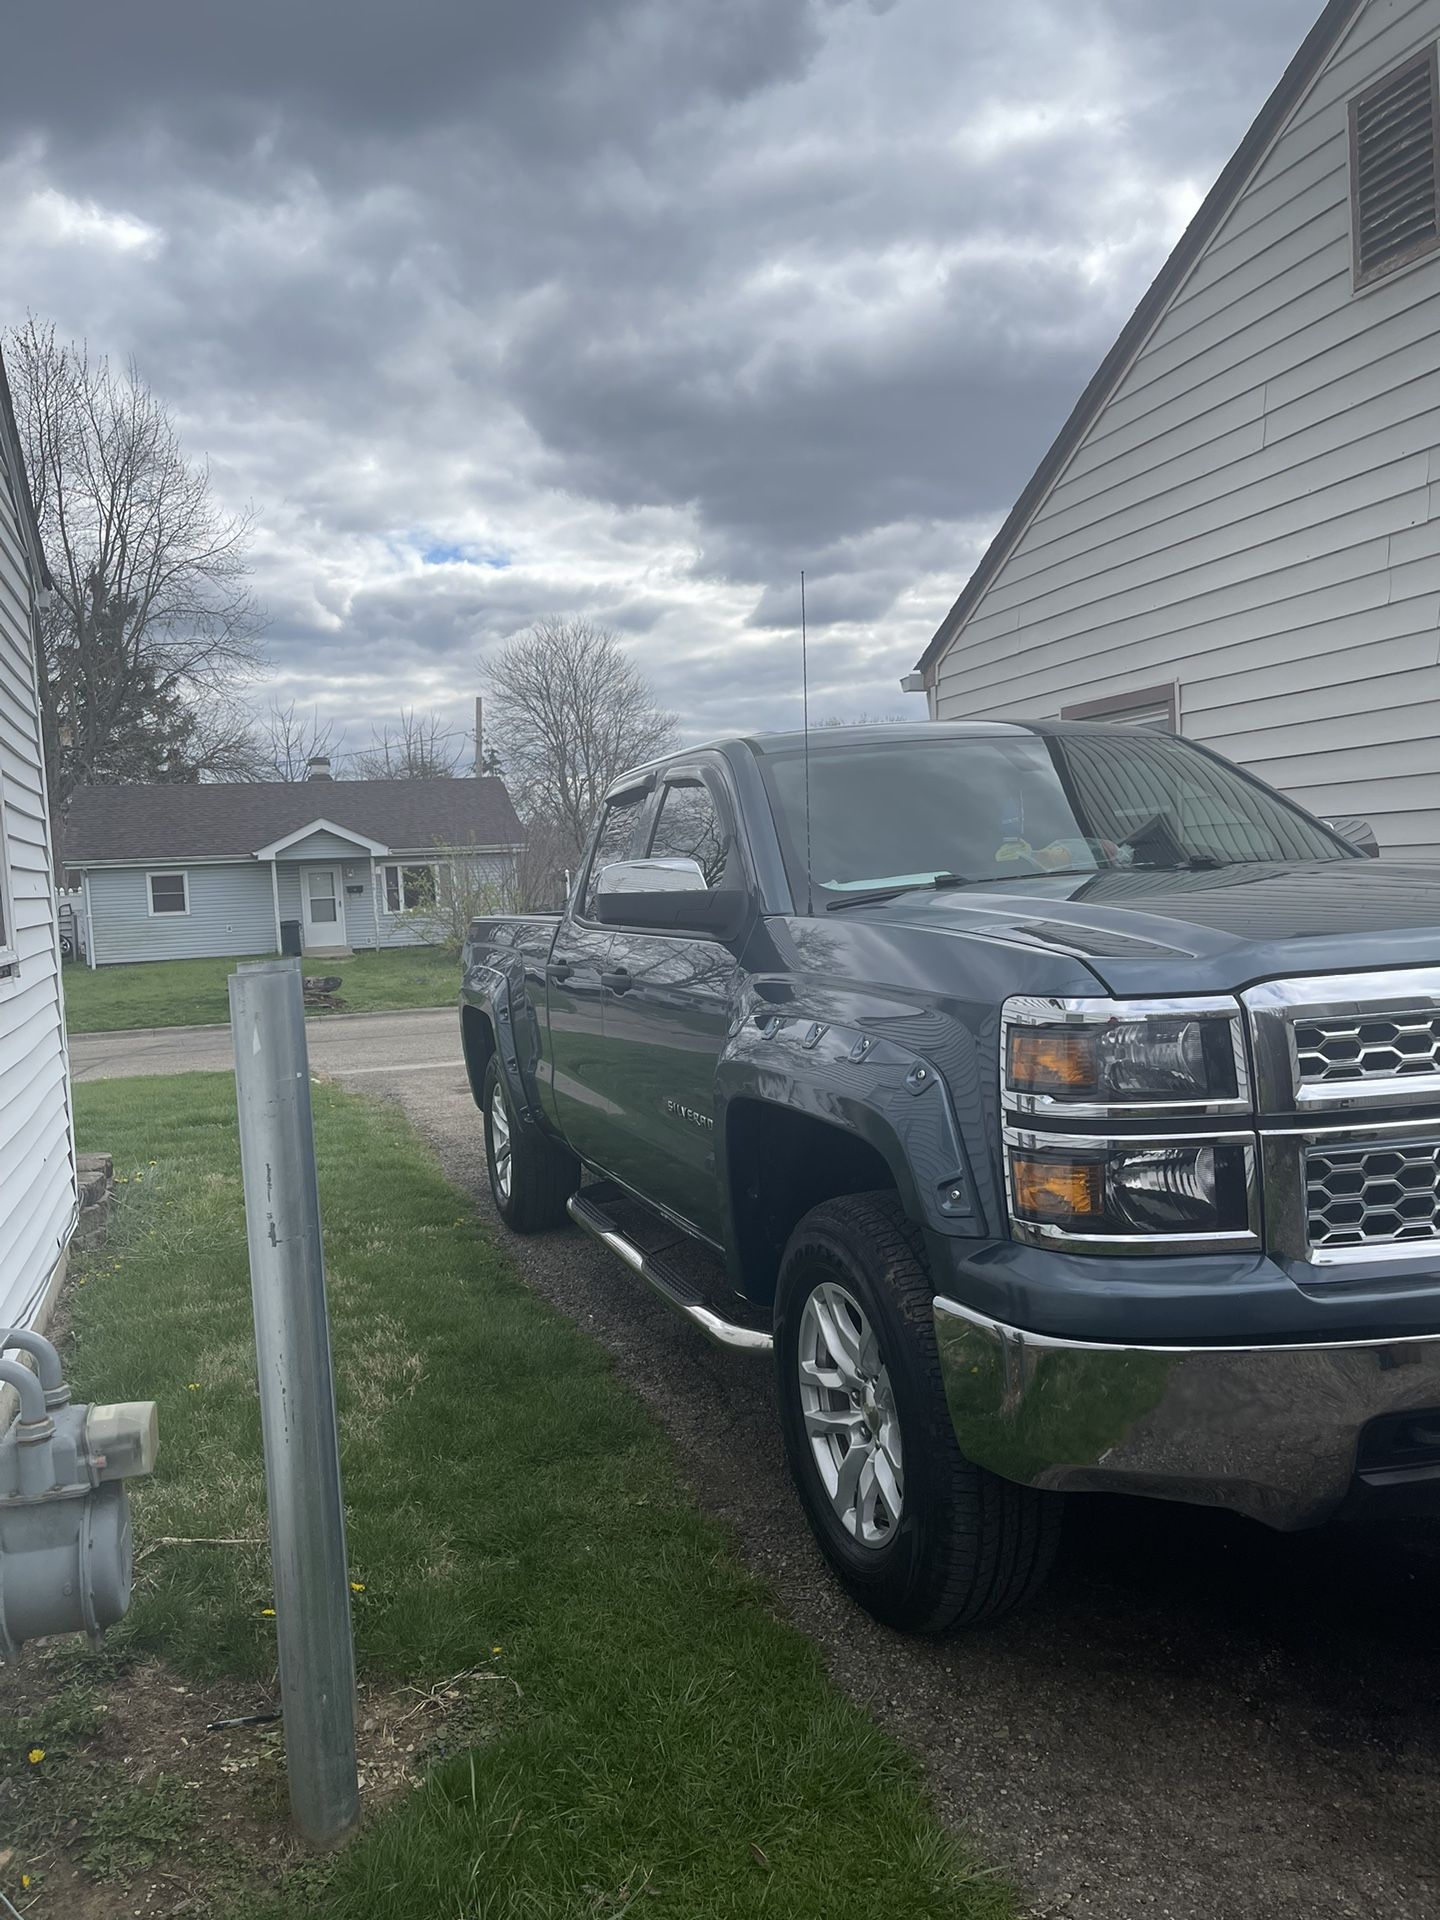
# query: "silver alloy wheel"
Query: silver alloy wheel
501,1167
849,1410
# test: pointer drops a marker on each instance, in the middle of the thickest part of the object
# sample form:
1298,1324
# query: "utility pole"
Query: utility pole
297,1399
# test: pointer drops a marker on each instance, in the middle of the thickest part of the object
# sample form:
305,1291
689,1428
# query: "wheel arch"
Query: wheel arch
477,1040
781,1160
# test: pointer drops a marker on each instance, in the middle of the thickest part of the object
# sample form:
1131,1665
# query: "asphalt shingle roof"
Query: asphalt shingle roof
182,822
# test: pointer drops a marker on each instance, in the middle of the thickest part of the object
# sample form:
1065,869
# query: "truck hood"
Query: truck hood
1207,932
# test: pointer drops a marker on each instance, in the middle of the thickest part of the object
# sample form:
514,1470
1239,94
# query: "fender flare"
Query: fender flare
490,990
866,1084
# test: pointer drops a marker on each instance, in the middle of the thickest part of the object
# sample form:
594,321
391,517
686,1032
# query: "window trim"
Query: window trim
166,873
9,948
1114,706
398,913
1428,57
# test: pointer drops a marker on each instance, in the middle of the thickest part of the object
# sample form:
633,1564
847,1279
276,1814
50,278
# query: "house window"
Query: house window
413,887
1394,190
169,892
1152,707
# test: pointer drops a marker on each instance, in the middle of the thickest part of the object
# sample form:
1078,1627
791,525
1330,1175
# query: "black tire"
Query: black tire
968,1546
542,1175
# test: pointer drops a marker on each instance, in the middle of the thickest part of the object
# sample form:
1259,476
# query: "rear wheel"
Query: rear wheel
531,1177
922,1537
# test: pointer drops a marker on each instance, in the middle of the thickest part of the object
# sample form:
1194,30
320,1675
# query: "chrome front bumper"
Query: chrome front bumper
1269,1431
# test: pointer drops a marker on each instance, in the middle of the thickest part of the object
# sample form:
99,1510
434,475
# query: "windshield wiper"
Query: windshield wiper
1189,863
960,880
875,894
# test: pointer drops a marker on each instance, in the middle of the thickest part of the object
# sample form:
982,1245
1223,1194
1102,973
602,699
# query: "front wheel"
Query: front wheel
531,1177
922,1537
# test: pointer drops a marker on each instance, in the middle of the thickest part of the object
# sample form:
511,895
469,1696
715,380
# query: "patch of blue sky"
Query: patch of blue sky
441,553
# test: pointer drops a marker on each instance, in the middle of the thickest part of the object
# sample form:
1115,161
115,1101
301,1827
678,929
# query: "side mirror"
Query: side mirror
1359,833
667,896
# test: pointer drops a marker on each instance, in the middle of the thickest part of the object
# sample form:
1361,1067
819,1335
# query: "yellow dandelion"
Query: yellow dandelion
357,1586
35,1756
25,1883
267,1613
497,1649
194,1387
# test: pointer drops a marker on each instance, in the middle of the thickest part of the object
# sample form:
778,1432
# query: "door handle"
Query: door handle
618,982
559,970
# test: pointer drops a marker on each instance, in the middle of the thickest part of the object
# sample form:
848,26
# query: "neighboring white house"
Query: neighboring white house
321,865
37,1145
1237,532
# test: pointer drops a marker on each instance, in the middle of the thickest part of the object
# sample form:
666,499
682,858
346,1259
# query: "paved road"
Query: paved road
1199,1720
357,1045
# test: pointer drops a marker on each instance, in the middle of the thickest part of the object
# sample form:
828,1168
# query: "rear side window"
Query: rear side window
616,842
690,828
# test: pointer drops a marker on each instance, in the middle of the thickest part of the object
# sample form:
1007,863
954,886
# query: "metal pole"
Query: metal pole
297,1399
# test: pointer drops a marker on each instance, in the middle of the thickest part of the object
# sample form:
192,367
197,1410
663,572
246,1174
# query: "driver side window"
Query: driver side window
616,841
690,828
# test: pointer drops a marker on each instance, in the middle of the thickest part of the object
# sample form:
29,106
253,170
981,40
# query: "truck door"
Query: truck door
667,1011
584,1107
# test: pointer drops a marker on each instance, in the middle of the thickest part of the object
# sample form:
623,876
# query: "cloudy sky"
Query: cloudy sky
625,308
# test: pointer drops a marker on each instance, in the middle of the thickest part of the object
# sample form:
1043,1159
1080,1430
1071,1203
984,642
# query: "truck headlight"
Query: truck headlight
1141,1192
1104,1056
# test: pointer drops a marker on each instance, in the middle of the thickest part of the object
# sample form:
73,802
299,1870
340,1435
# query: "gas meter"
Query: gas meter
66,1555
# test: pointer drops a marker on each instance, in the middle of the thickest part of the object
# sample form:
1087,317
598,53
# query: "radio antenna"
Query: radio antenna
805,726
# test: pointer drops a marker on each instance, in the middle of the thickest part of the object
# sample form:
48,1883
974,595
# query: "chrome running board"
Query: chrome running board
672,1286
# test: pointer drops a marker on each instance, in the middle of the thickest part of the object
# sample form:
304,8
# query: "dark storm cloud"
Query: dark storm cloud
642,304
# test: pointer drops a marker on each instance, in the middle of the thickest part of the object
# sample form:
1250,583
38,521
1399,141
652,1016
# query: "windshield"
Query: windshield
897,813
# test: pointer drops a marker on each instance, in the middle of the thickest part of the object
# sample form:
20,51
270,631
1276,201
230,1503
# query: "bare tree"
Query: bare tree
417,746
569,710
225,744
285,741
152,613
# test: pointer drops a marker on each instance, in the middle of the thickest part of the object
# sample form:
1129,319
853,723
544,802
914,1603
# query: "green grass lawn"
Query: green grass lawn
192,993
655,1740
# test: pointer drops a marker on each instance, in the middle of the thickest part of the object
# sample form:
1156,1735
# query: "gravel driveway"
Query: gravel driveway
1198,1720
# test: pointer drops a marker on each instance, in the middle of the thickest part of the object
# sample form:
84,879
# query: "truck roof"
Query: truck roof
831,739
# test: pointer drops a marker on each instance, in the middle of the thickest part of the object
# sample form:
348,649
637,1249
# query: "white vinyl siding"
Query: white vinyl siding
1255,513
37,1174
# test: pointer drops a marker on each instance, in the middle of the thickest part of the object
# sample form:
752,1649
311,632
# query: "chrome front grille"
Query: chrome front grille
1373,1046
1377,1195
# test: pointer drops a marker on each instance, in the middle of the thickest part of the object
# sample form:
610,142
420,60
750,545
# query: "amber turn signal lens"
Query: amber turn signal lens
1057,1190
1052,1060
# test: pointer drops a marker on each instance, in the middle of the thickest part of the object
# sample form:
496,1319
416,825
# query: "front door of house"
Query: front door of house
324,907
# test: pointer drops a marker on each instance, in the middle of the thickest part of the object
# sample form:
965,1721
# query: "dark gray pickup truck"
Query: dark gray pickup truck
1060,1104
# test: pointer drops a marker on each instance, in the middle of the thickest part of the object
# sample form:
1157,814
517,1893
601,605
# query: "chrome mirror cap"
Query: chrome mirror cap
675,875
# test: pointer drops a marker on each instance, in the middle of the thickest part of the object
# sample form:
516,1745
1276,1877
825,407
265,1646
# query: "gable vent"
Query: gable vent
1395,203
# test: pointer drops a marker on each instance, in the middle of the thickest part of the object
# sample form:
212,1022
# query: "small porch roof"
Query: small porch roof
278,847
